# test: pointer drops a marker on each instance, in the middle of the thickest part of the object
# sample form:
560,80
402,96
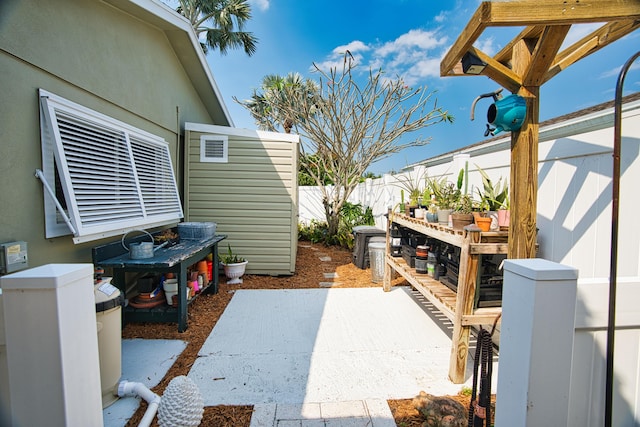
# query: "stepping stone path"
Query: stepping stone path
331,275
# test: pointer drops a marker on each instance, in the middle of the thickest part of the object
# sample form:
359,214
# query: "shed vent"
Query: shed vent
214,148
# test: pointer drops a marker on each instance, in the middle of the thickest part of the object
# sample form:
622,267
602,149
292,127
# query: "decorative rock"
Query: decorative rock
181,404
440,411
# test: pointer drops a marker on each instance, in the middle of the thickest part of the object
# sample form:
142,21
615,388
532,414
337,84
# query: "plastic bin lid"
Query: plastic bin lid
377,245
107,296
366,229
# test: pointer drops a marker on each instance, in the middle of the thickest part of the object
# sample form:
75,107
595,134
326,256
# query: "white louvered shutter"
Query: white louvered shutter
115,177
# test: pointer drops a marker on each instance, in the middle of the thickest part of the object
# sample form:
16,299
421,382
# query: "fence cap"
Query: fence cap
540,269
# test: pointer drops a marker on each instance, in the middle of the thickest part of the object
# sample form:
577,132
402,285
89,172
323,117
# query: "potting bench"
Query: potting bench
172,259
458,305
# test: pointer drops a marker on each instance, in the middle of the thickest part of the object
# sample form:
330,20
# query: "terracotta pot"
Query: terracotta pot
459,220
484,223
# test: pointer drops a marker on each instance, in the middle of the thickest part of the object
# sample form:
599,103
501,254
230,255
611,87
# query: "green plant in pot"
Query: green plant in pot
493,196
413,185
463,212
432,213
402,206
234,266
446,199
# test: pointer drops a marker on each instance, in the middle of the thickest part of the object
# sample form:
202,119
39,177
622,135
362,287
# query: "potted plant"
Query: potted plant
492,196
413,186
446,199
463,212
482,217
234,266
432,213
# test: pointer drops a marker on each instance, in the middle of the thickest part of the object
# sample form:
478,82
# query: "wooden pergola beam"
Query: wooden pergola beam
553,12
467,38
595,41
506,53
498,72
536,15
547,46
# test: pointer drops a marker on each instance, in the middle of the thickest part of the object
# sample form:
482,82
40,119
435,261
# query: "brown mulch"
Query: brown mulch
206,309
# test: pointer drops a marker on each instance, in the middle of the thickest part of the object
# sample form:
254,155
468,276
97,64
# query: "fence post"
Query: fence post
536,343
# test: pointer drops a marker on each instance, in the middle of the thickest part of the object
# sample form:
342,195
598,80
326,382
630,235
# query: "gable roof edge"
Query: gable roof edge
184,41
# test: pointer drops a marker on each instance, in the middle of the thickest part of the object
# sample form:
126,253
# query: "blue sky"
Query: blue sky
406,38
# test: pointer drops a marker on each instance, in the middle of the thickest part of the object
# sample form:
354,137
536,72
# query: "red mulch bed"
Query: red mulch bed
205,311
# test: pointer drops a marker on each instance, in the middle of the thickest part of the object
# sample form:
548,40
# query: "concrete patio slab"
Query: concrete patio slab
146,362
323,345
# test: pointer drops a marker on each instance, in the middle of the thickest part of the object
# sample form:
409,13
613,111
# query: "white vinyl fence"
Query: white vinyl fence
574,229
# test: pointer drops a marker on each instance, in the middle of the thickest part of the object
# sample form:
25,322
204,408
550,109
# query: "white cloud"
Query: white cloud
354,46
418,39
614,72
413,56
440,18
260,4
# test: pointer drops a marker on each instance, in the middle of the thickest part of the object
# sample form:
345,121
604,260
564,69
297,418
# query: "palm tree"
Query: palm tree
274,91
219,19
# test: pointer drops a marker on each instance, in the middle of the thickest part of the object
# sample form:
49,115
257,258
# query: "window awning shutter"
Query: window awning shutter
114,177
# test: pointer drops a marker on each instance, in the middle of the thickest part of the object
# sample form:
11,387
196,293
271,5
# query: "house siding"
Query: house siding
99,56
253,198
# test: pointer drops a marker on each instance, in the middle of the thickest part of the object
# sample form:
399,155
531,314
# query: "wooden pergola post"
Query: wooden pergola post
528,61
524,166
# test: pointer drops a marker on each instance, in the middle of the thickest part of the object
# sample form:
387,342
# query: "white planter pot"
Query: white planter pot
234,272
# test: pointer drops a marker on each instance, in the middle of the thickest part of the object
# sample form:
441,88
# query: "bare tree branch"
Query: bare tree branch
347,127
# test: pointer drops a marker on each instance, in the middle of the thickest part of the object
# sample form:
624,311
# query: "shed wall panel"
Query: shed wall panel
252,198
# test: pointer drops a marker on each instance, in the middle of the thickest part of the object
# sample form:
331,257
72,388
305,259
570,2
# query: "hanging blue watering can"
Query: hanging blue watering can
505,114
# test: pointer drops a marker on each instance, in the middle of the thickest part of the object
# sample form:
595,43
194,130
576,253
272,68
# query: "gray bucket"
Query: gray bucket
141,250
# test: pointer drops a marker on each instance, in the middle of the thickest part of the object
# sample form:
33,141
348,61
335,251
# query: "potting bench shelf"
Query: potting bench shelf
458,304
174,259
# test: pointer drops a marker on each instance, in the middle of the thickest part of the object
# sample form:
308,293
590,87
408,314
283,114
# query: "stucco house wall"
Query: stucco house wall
137,62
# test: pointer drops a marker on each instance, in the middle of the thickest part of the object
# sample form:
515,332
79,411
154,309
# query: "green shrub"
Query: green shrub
351,216
315,232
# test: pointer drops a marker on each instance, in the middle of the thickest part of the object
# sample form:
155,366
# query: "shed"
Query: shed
246,182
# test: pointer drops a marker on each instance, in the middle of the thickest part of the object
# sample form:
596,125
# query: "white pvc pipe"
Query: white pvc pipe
126,388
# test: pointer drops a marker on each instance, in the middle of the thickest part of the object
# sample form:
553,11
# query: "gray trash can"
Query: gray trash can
362,236
376,259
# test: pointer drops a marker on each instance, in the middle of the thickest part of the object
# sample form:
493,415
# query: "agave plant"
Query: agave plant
231,258
493,197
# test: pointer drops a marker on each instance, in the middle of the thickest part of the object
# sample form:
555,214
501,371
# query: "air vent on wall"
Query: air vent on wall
214,148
